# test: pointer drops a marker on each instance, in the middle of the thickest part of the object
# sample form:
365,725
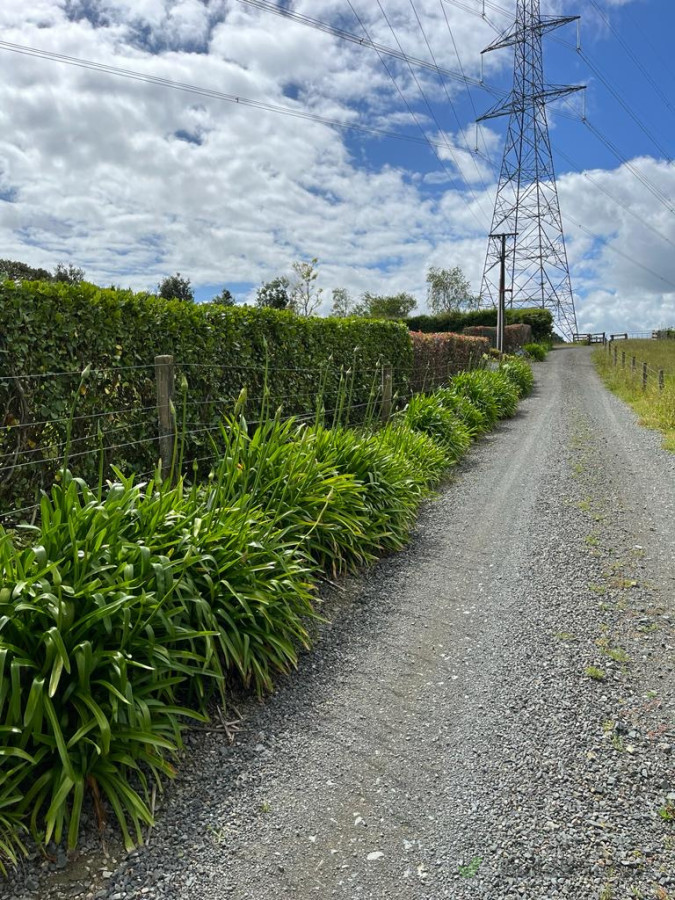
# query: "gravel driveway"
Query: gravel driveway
443,739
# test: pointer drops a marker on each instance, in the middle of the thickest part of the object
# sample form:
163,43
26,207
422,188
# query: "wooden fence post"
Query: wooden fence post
661,380
387,392
632,367
644,376
166,414
623,359
615,356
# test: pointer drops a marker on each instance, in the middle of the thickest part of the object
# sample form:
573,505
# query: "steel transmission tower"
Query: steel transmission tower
527,206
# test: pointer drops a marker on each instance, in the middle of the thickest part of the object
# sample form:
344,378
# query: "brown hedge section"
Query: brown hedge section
515,336
437,356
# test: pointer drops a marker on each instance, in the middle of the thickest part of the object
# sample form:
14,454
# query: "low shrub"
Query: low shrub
464,410
426,460
301,490
129,605
518,371
476,389
392,492
536,351
504,391
428,415
136,603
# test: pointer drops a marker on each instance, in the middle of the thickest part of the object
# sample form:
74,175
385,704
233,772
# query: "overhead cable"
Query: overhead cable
466,86
448,97
201,91
288,13
621,253
446,145
633,56
629,209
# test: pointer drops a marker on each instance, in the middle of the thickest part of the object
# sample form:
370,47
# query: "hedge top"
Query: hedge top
540,319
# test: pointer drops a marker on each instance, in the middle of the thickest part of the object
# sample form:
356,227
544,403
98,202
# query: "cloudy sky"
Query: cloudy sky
132,179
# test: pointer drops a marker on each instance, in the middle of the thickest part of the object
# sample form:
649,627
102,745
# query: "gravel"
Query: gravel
443,739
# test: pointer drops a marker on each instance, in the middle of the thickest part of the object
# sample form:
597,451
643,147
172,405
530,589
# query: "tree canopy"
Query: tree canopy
448,290
274,294
175,287
378,306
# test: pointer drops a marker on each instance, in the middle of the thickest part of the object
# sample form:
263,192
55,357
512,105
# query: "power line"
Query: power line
653,190
616,250
656,54
211,93
287,13
636,60
447,94
616,200
414,116
432,114
619,99
467,88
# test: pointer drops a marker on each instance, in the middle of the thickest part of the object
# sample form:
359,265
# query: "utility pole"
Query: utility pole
501,305
527,197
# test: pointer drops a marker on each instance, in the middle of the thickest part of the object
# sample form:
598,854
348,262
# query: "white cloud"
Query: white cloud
133,181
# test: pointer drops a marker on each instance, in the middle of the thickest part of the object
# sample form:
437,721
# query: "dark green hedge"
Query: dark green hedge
541,321
56,328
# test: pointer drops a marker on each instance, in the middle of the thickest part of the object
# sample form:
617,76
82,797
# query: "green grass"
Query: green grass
471,869
656,408
594,673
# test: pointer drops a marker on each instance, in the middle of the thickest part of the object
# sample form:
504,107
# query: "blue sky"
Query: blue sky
133,181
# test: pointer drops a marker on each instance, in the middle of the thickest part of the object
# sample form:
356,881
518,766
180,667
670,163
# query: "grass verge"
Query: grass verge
654,405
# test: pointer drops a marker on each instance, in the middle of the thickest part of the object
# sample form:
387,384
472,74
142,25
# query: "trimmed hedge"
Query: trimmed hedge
541,321
437,356
515,336
57,328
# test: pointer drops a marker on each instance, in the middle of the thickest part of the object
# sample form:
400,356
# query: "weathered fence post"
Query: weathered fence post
615,356
623,359
387,392
632,367
661,380
644,376
166,415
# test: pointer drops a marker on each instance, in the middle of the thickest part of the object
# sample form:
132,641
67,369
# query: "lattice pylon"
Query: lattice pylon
527,202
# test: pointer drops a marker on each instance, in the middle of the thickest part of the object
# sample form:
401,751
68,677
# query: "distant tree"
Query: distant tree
274,294
69,274
224,298
175,287
342,305
395,306
449,291
305,296
20,271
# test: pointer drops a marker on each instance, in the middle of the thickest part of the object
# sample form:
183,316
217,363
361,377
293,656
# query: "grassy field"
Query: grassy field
655,407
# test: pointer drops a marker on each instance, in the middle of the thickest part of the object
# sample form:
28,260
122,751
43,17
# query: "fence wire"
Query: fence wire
90,421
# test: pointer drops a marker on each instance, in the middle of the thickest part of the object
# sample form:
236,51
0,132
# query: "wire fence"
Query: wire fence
635,368
133,417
